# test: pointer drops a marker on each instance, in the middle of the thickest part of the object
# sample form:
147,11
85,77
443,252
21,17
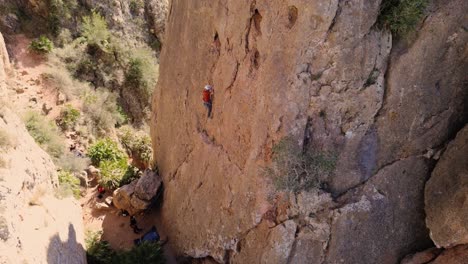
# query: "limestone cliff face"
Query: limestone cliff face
325,74
35,227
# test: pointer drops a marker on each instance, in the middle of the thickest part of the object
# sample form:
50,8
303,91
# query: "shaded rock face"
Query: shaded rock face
323,73
447,195
35,227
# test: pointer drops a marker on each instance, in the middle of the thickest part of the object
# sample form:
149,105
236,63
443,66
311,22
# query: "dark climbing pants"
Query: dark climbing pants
208,107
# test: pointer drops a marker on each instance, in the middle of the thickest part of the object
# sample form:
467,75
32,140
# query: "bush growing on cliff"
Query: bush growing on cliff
45,133
68,117
59,11
294,170
401,16
115,174
105,150
94,30
69,184
102,115
41,45
138,146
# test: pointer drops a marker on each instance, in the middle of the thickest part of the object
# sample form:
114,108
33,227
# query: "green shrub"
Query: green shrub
401,16
41,45
105,150
115,174
137,144
100,252
59,11
94,30
68,117
45,133
135,6
68,181
112,172
146,252
100,108
97,251
294,170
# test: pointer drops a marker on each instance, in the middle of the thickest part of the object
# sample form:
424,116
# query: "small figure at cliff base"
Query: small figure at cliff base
208,98
134,225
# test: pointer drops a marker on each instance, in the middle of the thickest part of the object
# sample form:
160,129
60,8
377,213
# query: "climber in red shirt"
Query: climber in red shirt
208,98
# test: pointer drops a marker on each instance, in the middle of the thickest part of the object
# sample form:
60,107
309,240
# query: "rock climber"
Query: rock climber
134,225
208,98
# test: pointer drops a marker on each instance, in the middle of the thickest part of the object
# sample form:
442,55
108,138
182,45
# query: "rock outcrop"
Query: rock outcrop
447,195
138,195
35,226
323,73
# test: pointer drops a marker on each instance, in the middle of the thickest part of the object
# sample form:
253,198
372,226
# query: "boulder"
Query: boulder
446,195
148,185
123,195
136,196
93,172
61,98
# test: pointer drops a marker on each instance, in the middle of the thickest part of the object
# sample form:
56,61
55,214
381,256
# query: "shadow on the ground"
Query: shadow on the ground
66,252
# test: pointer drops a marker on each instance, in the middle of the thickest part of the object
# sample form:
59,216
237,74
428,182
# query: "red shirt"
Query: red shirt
207,96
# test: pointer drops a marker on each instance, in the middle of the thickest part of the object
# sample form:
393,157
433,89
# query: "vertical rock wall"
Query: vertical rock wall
325,74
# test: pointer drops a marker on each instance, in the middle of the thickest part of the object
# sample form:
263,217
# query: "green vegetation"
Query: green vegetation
137,144
100,252
58,12
45,133
94,30
68,117
68,181
115,173
135,6
294,170
41,45
101,110
401,16
105,150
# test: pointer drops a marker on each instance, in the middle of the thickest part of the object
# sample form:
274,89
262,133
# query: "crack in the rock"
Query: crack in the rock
234,77
335,17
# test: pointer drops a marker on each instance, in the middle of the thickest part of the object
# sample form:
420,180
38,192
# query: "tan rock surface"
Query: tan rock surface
322,72
446,195
35,226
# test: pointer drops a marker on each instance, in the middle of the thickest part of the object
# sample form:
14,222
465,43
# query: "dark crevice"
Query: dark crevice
292,16
335,18
257,19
